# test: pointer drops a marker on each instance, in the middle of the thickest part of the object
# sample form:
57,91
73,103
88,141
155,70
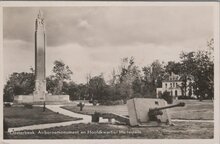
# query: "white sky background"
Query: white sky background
94,39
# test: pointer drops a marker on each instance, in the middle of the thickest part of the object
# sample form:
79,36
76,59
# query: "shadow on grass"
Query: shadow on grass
21,116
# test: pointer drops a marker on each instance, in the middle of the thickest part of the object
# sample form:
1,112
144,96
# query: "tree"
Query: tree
97,87
113,80
71,89
62,72
188,67
199,66
81,91
153,76
174,67
51,82
137,86
128,73
167,97
19,84
204,75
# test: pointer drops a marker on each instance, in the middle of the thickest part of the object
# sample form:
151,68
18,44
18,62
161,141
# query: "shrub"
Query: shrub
29,106
95,102
81,106
137,95
5,125
116,102
167,97
186,97
7,104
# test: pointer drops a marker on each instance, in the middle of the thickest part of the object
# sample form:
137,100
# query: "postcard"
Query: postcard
110,72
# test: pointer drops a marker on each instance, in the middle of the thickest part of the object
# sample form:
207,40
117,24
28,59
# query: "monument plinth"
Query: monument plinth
40,94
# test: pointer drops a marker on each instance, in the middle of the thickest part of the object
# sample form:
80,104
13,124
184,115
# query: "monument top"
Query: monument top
39,26
40,15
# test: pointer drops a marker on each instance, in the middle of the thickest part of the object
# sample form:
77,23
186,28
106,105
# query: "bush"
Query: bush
5,126
186,97
167,97
29,106
116,102
137,95
7,104
81,106
95,102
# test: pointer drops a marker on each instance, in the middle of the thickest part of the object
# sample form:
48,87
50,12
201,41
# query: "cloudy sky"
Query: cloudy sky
94,39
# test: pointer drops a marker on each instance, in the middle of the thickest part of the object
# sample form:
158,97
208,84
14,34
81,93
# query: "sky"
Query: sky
93,39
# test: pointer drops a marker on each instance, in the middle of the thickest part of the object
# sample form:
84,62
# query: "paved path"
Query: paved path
43,126
202,121
57,108
85,118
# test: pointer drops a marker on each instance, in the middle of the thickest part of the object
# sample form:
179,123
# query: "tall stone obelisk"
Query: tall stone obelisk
40,67
40,94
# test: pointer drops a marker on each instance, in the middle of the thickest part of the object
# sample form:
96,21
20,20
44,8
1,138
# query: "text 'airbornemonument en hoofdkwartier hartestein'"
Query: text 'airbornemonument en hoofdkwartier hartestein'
40,94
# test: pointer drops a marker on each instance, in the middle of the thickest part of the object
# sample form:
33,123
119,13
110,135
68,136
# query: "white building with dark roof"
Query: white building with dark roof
173,85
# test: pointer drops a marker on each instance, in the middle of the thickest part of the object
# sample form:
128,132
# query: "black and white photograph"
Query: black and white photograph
110,71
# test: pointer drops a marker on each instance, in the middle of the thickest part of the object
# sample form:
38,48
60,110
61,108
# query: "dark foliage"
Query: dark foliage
167,97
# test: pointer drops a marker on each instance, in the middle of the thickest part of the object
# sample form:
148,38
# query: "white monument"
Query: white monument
40,69
40,94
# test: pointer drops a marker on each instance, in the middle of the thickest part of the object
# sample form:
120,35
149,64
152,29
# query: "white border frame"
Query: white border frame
215,5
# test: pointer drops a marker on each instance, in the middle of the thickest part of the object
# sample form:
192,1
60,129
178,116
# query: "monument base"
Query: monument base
49,99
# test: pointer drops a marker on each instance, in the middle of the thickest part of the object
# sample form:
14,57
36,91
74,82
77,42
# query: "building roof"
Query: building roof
171,81
172,78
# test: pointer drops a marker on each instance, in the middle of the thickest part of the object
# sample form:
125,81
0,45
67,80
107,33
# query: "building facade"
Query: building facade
174,85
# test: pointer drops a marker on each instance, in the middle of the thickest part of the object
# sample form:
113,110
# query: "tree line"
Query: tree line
128,81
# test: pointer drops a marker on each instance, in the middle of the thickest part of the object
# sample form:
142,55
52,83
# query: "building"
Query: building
173,85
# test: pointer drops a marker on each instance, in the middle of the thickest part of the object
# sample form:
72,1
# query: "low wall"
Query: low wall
48,98
24,99
57,98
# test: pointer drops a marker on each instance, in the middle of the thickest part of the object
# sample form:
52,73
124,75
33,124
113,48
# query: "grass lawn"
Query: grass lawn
193,109
181,130
20,116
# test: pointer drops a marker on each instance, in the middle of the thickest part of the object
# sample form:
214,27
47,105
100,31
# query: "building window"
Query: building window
165,85
170,84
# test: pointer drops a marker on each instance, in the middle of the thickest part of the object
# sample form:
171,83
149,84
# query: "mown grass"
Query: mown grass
180,130
21,116
193,109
